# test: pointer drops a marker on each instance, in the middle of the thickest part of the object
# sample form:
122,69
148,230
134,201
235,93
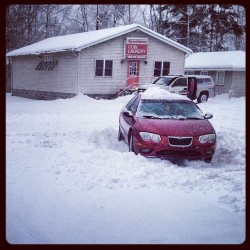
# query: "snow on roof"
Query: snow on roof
159,93
80,41
217,60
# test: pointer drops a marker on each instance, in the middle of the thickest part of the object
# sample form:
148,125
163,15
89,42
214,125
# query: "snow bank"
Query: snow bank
70,181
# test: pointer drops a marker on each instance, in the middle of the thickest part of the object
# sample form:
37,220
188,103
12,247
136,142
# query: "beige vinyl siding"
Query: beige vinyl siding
219,89
61,79
234,82
114,50
109,50
239,83
160,51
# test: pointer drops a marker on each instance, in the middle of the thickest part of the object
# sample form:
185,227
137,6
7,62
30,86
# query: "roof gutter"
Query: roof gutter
78,72
214,69
77,54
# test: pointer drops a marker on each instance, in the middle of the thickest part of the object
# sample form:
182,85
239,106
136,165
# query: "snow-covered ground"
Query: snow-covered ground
70,181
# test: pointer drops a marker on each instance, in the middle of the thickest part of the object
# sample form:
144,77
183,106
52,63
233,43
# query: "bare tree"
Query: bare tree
200,27
79,19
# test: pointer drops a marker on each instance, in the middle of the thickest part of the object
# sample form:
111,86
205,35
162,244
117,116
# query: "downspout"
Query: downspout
77,69
11,75
186,56
78,72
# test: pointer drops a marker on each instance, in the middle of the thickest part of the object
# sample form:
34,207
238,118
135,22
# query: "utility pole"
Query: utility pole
97,18
129,14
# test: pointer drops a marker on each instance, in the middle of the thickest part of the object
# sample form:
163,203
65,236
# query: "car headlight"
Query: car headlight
207,138
150,137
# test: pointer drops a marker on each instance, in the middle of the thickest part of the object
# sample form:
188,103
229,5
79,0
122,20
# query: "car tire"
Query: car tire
202,98
131,143
120,137
208,160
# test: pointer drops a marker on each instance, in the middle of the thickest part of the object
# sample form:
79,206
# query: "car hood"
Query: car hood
175,127
146,86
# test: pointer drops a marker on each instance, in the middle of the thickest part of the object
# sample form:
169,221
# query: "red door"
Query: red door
133,73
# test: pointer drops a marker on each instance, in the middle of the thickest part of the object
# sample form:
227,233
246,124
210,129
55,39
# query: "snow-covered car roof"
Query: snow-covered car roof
79,41
158,93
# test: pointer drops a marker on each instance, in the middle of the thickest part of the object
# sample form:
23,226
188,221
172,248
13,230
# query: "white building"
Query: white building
228,69
96,63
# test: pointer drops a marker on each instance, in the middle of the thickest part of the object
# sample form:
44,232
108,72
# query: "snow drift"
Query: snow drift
70,181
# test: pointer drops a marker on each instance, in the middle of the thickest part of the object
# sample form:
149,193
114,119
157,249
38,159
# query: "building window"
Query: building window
48,58
133,69
204,73
220,77
161,68
189,73
47,62
103,67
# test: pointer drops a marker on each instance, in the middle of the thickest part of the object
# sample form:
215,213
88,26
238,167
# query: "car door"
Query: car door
179,86
209,86
126,122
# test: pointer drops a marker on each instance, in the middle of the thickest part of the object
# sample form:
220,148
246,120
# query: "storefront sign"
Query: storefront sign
136,48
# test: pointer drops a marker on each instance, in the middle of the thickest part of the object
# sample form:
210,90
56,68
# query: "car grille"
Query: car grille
182,153
180,141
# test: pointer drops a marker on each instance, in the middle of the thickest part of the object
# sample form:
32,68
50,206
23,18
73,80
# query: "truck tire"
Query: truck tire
203,97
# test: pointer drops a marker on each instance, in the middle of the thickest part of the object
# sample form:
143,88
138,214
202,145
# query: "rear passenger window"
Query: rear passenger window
199,80
207,81
181,82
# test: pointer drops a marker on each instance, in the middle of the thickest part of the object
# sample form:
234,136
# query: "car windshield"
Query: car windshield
169,109
164,81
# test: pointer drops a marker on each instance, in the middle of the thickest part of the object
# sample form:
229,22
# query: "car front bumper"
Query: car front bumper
165,151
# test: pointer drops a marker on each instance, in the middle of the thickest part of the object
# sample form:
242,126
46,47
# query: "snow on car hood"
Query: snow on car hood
175,127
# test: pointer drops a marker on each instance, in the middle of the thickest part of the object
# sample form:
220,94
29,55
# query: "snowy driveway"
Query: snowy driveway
70,181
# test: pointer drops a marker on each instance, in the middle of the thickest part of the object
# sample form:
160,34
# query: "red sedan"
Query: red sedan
165,125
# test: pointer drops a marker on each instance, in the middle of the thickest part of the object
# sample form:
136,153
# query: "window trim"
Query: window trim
189,72
204,73
180,80
161,69
46,63
104,67
223,78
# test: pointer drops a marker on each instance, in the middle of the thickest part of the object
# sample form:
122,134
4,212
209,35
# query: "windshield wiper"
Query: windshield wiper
151,117
194,118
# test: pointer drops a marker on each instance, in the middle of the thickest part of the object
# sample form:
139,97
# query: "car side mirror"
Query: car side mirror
128,114
208,116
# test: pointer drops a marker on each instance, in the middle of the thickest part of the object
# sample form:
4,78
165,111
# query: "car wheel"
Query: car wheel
202,98
120,137
131,143
208,160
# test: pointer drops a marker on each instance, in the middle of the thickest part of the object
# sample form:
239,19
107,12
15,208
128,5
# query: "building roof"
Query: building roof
226,60
79,41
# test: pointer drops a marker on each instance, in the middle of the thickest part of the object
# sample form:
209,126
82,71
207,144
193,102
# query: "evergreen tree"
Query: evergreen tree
203,27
